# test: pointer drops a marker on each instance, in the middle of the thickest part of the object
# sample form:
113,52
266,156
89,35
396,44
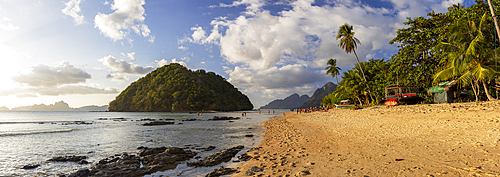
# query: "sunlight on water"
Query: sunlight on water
34,137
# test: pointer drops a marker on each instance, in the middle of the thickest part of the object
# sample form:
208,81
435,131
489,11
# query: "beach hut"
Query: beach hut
442,92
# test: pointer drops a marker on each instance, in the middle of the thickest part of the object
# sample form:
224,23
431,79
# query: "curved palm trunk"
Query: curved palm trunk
362,72
487,93
494,18
474,89
336,77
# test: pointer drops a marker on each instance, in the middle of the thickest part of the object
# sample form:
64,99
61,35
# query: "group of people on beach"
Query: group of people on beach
312,109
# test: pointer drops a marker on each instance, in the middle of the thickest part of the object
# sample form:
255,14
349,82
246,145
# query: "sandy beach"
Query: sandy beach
458,139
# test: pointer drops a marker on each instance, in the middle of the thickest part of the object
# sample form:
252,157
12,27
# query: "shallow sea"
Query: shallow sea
33,137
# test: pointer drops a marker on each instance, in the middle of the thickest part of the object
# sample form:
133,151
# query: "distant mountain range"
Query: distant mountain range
319,94
304,101
58,106
290,102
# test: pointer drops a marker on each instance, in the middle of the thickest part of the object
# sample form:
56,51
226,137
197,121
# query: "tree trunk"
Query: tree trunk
360,103
494,18
487,93
336,77
362,72
474,89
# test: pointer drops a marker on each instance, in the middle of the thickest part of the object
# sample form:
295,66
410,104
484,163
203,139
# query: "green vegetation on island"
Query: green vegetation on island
174,88
460,44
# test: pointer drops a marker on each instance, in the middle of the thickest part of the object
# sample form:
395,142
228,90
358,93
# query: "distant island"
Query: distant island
174,88
290,102
319,94
58,106
295,101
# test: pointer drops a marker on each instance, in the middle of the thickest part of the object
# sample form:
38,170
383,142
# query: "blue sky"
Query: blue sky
85,52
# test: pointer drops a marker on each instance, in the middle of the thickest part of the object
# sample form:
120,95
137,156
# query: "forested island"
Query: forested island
174,88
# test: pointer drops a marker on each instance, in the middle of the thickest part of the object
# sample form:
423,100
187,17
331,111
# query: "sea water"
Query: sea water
33,137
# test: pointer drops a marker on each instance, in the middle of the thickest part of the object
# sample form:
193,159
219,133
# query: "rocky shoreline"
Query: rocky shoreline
148,161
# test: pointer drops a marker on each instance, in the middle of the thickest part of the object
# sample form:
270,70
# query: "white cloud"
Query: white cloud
124,67
73,9
253,6
47,76
183,48
161,63
129,15
8,26
180,62
116,77
273,78
130,55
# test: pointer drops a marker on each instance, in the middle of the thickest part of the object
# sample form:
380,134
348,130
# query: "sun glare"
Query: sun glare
10,66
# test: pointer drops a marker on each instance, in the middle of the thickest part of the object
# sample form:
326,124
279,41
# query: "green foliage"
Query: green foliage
174,88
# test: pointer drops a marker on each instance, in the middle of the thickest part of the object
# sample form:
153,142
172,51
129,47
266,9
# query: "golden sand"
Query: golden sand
459,139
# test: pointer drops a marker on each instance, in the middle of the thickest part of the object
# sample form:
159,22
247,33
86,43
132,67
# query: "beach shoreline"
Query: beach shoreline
416,140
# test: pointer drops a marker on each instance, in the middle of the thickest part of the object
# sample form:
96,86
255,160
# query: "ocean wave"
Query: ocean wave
35,132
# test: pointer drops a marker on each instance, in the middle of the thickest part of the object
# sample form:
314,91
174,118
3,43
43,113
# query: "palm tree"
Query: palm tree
349,43
333,69
494,18
469,56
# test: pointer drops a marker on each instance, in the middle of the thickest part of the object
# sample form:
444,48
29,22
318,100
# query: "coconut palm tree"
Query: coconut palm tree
494,18
469,56
333,69
349,43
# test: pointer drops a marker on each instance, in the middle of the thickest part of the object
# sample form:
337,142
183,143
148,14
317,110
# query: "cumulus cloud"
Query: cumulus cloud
161,63
124,67
128,15
63,79
288,76
47,76
183,48
8,26
164,62
73,10
290,48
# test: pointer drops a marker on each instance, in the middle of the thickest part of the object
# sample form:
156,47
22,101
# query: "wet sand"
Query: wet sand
459,139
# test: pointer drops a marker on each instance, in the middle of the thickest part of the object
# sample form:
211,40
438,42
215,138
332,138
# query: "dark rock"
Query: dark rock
245,157
209,148
81,173
252,170
249,135
152,159
158,123
72,158
27,167
217,158
221,171
102,119
223,118
147,119
148,151
118,119
83,162
141,147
